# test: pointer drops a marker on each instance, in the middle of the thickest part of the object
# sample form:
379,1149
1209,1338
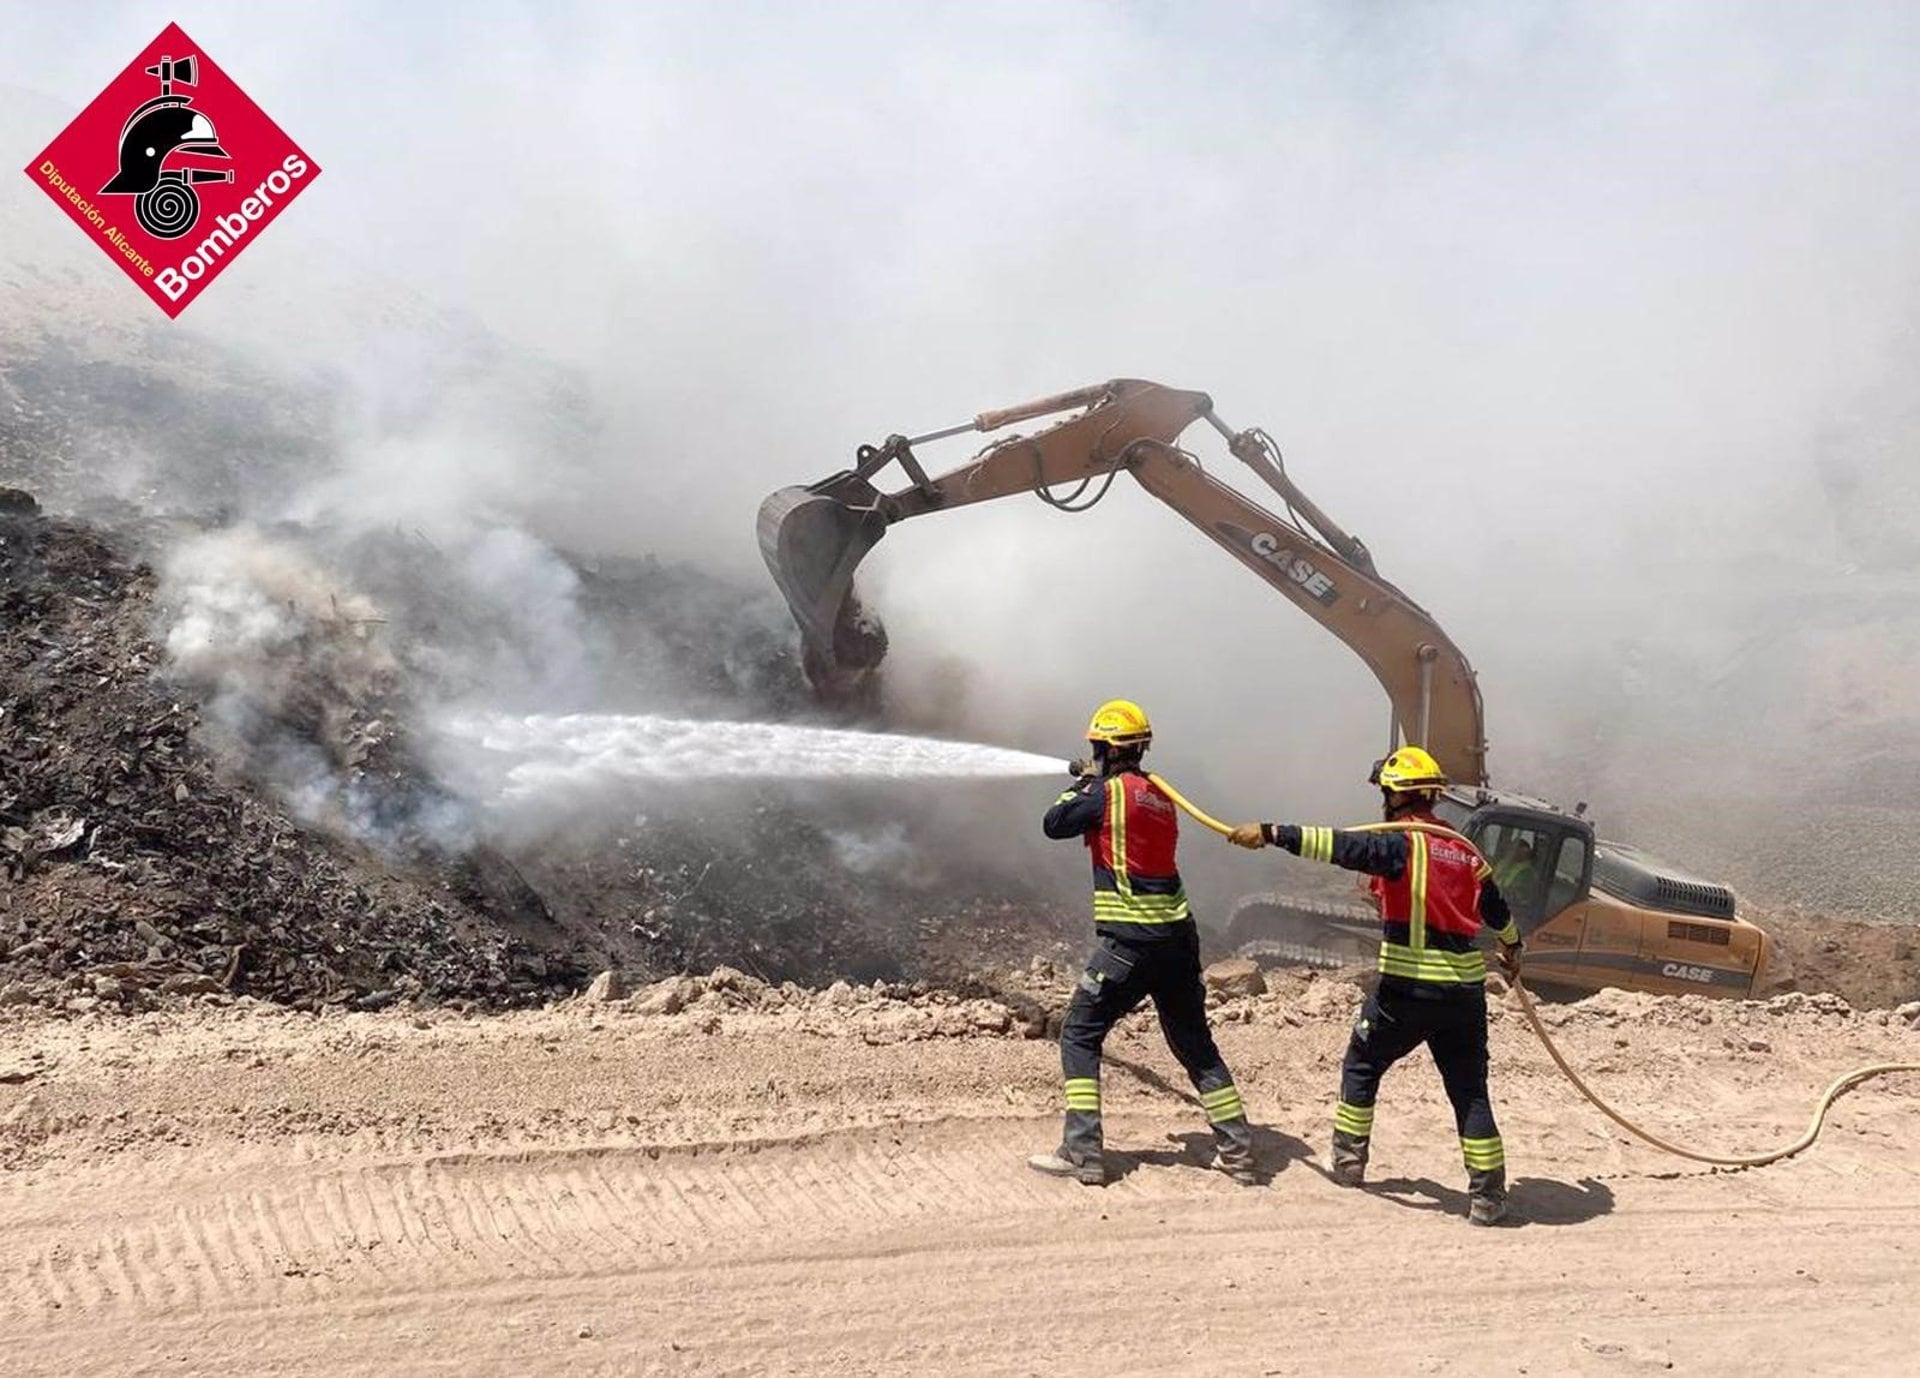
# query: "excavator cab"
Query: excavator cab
1541,860
1596,913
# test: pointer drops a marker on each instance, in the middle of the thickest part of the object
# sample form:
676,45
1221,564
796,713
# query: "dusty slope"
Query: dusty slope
796,1184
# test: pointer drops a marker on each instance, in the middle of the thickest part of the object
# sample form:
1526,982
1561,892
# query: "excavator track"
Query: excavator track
1278,929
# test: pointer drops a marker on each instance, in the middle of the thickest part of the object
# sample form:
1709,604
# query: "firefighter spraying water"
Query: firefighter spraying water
1146,945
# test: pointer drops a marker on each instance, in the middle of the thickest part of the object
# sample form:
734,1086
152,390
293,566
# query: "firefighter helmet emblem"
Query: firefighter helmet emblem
164,200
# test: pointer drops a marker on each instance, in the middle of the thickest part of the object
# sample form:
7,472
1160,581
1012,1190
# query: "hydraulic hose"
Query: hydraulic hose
1841,1084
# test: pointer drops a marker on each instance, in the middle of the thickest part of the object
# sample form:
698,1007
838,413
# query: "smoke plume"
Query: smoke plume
1596,323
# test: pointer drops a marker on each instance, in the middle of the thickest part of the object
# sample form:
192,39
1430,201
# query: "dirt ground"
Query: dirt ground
716,1177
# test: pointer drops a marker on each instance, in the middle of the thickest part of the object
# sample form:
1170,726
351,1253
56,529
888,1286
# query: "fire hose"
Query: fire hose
1841,1084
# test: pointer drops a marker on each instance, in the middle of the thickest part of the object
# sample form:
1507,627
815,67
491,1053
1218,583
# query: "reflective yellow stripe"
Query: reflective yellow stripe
1109,907
1416,961
1509,934
1484,1154
1316,844
1356,1120
1433,964
1123,904
1164,904
1224,1104
1417,866
1083,1093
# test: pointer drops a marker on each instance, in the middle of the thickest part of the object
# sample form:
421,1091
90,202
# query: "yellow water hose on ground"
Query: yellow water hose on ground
1842,1084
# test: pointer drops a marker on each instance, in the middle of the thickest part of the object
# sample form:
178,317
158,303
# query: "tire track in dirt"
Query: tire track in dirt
320,1230
449,1226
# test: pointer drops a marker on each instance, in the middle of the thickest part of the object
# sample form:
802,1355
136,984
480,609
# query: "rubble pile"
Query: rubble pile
1796,1009
1869,964
137,855
879,1012
131,864
756,882
1018,1002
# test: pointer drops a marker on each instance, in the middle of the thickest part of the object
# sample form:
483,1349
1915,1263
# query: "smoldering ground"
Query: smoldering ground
1593,322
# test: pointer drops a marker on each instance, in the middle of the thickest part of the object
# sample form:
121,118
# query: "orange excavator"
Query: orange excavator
1595,913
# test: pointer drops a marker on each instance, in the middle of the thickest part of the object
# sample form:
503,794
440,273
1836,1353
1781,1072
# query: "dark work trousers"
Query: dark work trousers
1452,1022
1118,977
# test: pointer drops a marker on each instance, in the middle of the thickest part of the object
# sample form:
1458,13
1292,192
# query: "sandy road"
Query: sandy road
803,1190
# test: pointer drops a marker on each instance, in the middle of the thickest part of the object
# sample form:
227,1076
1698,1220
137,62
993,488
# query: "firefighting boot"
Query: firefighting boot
1486,1196
1349,1158
1233,1150
1237,1166
1233,1137
1079,1154
1087,1171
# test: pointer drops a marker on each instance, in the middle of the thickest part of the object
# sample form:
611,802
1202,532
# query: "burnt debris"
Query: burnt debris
131,862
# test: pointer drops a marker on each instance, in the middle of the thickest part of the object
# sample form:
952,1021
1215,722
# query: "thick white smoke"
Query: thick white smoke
289,665
1596,323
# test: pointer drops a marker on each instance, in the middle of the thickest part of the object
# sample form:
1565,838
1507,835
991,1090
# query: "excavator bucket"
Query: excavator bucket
812,542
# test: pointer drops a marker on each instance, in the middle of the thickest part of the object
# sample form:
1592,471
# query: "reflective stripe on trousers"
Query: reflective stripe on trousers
1483,1155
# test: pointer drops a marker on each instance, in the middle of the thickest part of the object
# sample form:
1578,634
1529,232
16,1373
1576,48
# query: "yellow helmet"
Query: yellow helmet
1120,722
1409,769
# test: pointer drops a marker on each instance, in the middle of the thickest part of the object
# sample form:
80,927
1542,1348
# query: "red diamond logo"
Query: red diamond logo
172,170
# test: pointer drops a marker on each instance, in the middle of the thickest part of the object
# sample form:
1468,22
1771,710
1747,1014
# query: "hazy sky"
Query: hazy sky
1547,302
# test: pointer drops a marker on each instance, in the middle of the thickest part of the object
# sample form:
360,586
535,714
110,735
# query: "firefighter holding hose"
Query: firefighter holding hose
1435,892
1146,945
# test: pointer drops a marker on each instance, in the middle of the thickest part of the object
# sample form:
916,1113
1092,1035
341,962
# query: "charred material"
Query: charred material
129,861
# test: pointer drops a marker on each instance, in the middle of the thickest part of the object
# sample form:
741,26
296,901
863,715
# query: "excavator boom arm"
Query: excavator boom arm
813,538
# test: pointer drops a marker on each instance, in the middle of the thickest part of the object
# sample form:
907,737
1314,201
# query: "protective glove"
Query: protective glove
1509,960
1080,768
1252,836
